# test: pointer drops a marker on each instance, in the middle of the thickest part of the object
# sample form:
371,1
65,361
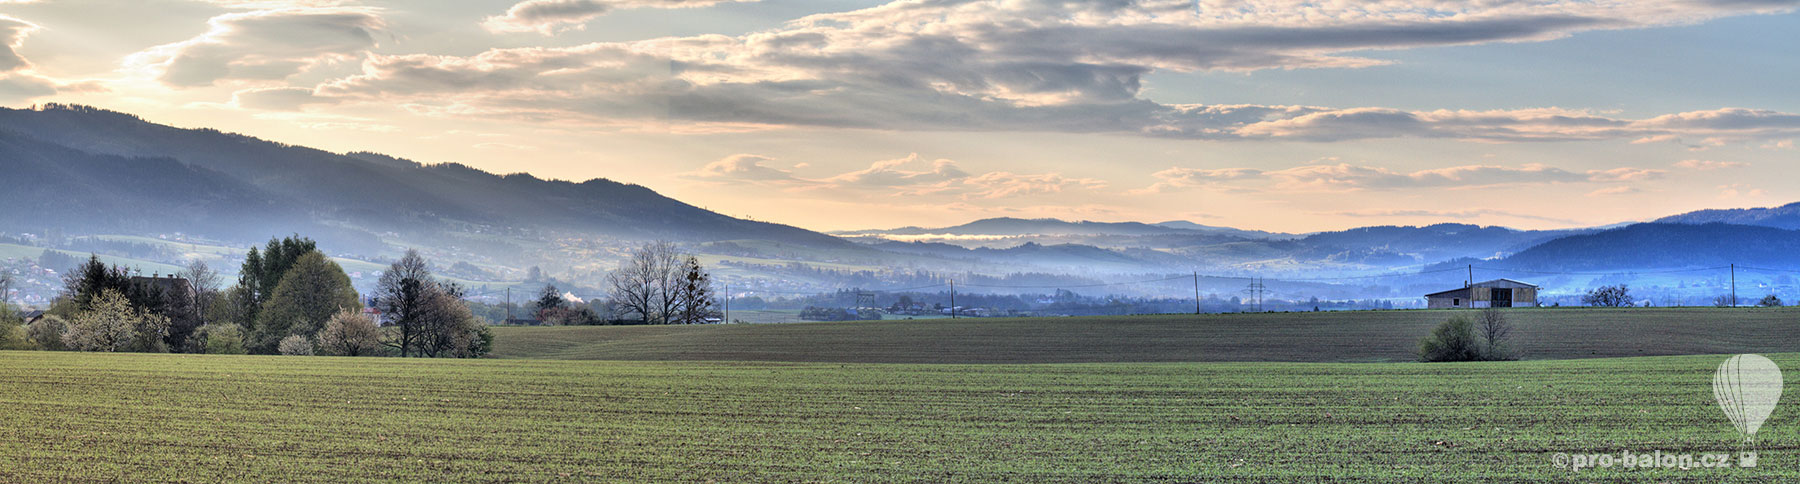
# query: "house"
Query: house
32,316
170,286
1498,293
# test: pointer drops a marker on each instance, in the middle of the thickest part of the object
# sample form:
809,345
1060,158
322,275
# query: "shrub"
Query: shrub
47,333
350,333
223,339
1452,340
13,337
113,324
295,345
1770,301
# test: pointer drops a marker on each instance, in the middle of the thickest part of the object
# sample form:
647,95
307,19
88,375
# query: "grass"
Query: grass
176,418
1367,336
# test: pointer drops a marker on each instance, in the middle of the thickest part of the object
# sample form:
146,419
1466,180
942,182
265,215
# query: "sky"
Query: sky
835,115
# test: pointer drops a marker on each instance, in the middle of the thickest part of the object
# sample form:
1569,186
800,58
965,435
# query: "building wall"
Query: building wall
1482,297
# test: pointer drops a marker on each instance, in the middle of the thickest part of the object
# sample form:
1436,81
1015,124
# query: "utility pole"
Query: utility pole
952,299
509,304
1734,302
1196,293
727,302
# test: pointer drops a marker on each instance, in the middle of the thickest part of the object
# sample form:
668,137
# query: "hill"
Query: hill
1362,336
374,193
1782,217
1665,246
1019,227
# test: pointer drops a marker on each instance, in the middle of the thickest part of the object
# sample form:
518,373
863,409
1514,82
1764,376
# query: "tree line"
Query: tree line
656,284
289,298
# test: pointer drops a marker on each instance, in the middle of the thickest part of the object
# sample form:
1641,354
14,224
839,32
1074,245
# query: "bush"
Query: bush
350,333
223,339
13,337
1452,340
113,324
1770,301
295,345
47,333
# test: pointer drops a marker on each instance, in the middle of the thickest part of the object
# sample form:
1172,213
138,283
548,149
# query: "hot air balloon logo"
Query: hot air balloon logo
1747,387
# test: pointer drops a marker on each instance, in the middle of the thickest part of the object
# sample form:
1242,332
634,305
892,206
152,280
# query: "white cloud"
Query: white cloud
1709,165
548,17
1615,190
912,175
276,98
742,168
1345,177
263,45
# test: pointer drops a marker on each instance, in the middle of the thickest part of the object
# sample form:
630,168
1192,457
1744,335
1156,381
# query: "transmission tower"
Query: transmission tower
1256,289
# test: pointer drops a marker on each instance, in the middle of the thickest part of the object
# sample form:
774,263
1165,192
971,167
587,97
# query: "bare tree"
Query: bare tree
401,295
6,283
647,283
206,288
1495,331
1609,296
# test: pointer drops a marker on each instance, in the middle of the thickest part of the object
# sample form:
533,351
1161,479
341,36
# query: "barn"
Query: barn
1498,293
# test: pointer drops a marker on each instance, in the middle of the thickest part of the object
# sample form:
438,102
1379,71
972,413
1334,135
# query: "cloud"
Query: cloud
742,168
1178,178
1709,165
276,98
1028,65
1740,191
912,175
12,36
19,80
897,173
1347,177
1626,174
1002,184
1617,190
548,17
263,45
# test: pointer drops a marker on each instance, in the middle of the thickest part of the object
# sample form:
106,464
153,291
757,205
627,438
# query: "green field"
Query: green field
1364,336
71,417
983,400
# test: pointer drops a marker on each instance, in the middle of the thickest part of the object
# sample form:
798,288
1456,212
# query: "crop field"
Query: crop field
67,417
1362,336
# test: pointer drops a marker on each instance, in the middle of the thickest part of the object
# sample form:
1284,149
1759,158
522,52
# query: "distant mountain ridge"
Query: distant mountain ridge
375,192
1664,246
1784,217
1010,226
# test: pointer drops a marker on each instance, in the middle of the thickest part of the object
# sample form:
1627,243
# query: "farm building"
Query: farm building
1498,293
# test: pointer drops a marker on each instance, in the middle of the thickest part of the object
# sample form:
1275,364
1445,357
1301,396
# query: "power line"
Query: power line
1633,272
1075,286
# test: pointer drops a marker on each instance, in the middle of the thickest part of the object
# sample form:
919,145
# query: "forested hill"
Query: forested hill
1784,217
1664,246
91,166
